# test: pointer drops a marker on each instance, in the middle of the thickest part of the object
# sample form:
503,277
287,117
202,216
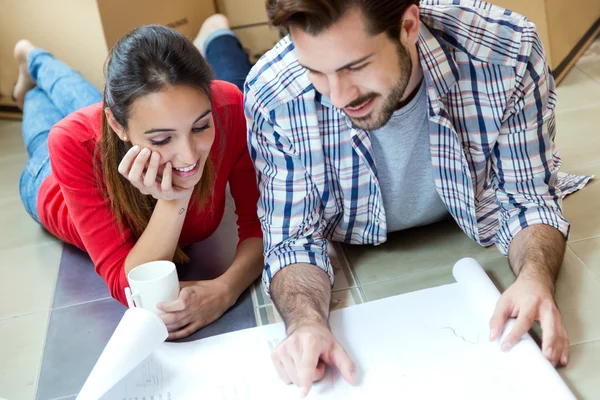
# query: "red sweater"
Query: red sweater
71,204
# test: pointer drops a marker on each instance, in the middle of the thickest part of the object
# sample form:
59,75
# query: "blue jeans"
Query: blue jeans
60,91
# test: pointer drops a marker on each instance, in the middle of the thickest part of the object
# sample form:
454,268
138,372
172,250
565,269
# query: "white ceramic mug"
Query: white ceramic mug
152,283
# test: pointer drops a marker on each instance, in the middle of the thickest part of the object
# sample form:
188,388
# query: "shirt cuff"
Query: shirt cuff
279,260
532,216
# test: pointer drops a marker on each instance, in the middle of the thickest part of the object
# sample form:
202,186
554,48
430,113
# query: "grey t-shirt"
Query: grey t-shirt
403,159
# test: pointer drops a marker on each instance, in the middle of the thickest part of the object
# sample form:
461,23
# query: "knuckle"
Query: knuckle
275,355
133,178
293,345
547,304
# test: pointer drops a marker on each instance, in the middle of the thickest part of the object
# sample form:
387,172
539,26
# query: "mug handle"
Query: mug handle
133,299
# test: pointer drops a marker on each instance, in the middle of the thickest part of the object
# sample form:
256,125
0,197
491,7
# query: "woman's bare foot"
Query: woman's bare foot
212,24
24,83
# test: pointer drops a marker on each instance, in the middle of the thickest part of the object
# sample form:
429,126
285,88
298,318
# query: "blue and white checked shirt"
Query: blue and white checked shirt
491,102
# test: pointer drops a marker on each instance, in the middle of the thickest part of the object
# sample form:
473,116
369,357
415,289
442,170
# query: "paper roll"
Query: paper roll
482,292
138,334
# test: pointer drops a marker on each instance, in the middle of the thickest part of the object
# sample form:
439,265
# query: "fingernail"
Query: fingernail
145,151
135,148
549,351
506,346
564,360
493,333
303,391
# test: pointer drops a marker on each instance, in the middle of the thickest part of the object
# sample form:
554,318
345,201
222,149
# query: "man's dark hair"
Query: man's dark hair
315,16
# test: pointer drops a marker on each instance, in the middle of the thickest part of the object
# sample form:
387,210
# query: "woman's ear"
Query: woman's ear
116,127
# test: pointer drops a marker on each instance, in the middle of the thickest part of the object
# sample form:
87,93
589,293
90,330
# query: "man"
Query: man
379,115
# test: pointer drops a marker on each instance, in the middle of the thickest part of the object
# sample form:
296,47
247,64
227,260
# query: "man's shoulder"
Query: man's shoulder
482,31
277,78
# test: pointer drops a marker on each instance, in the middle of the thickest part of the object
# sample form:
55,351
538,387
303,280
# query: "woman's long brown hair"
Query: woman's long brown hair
149,59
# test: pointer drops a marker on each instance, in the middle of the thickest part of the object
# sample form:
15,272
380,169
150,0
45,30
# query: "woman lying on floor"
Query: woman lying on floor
138,174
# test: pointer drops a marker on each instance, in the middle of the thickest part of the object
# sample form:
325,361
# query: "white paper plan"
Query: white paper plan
429,344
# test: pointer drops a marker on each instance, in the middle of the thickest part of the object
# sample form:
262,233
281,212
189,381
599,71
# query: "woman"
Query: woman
134,176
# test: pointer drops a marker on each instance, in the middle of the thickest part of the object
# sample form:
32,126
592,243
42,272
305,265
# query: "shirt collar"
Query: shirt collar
439,68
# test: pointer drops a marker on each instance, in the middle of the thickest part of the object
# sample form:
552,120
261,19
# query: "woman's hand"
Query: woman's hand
199,304
140,167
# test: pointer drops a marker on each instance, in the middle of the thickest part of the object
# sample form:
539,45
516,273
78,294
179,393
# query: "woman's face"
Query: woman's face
178,124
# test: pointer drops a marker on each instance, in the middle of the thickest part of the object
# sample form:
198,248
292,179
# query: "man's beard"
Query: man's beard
375,119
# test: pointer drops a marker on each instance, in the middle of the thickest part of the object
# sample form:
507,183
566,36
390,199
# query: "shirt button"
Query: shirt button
377,221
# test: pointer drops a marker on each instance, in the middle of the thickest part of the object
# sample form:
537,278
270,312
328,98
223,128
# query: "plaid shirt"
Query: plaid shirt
491,100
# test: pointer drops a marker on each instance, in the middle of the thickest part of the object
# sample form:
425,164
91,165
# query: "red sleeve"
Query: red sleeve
242,176
72,166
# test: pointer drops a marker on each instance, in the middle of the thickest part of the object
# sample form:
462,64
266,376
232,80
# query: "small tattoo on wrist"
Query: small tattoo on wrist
181,211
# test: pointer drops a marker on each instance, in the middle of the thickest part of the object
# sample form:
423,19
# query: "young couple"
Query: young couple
369,117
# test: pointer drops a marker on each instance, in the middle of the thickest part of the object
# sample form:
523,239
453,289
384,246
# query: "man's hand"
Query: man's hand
530,300
302,293
199,304
302,357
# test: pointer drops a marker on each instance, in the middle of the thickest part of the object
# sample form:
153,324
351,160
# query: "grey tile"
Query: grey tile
78,334
212,256
497,269
414,251
76,337
77,280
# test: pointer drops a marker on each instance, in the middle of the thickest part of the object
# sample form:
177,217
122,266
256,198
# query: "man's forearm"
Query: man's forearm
301,293
537,252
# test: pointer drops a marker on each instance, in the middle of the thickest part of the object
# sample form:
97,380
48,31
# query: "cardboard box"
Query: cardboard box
249,21
560,24
257,40
80,32
243,12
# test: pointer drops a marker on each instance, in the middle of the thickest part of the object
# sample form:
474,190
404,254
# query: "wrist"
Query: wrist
532,275
177,204
230,292
306,323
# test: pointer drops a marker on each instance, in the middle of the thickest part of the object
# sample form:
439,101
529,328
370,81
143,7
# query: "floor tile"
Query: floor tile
578,299
345,298
76,337
259,294
11,140
21,354
573,129
343,276
581,208
19,228
77,280
339,299
497,269
590,62
414,251
581,374
11,167
589,252
269,315
27,278
577,90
